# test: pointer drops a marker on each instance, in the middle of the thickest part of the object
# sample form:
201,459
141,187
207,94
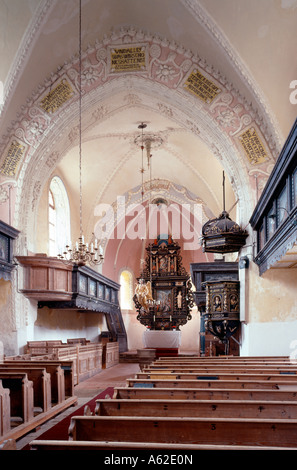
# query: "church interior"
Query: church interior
148,221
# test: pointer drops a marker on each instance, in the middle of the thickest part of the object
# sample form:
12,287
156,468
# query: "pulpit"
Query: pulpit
207,278
222,309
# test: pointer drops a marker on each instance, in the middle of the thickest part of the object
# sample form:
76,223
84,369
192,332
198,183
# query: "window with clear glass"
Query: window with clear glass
51,222
58,217
126,292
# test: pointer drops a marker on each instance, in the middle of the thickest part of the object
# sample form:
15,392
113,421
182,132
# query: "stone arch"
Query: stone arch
168,77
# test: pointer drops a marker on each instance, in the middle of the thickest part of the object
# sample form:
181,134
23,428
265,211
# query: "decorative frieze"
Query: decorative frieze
133,58
12,158
253,146
57,97
201,86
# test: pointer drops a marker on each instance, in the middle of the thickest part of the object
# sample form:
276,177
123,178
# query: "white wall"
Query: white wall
269,339
64,324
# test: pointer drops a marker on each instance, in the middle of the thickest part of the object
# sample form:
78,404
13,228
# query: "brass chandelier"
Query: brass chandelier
82,253
143,289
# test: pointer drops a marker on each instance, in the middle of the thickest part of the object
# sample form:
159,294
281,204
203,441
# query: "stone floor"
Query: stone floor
85,391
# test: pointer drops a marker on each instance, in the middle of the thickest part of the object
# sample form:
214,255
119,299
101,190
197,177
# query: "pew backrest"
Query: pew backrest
224,431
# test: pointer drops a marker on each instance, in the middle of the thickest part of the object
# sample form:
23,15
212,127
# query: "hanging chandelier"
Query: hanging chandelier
143,289
148,142
82,253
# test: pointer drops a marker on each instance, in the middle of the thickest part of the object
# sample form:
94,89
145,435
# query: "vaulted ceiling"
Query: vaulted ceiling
242,52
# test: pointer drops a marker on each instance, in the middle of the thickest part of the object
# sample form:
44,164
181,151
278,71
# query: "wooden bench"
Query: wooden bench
223,360
21,394
203,394
219,361
4,410
77,341
9,444
222,368
41,384
169,375
222,431
87,358
110,354
198,408
62,375
154,446
229,358
35,348
213,383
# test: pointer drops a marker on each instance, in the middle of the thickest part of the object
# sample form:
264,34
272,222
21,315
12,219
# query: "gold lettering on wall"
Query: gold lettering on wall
12,159
253,146
57,97
128,59
201,86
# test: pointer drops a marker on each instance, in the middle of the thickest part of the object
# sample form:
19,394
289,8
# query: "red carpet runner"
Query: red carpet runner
60,430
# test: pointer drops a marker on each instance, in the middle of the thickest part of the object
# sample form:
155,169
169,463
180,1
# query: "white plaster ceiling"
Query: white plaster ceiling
251,43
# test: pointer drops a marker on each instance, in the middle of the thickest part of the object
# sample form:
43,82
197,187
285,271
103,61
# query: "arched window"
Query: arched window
126,282
58,217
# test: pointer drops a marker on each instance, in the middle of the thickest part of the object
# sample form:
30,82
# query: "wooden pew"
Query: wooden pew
292,369
57,379
222,431
226,358
169,375
213,383
203,394
9,444
221,360
86,357
21,394
41,384
28,421
4,410
154,446
62,376
197,408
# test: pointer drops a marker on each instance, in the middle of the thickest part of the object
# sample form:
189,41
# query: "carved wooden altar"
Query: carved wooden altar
163,296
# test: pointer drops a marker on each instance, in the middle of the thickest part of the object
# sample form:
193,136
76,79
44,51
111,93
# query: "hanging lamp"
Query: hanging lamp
82,253
223,235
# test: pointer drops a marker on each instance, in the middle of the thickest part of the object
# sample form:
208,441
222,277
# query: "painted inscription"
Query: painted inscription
57,97
128,59
201,86
13,157
253,146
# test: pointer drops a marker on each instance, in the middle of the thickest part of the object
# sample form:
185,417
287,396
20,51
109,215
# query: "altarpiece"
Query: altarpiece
163,295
